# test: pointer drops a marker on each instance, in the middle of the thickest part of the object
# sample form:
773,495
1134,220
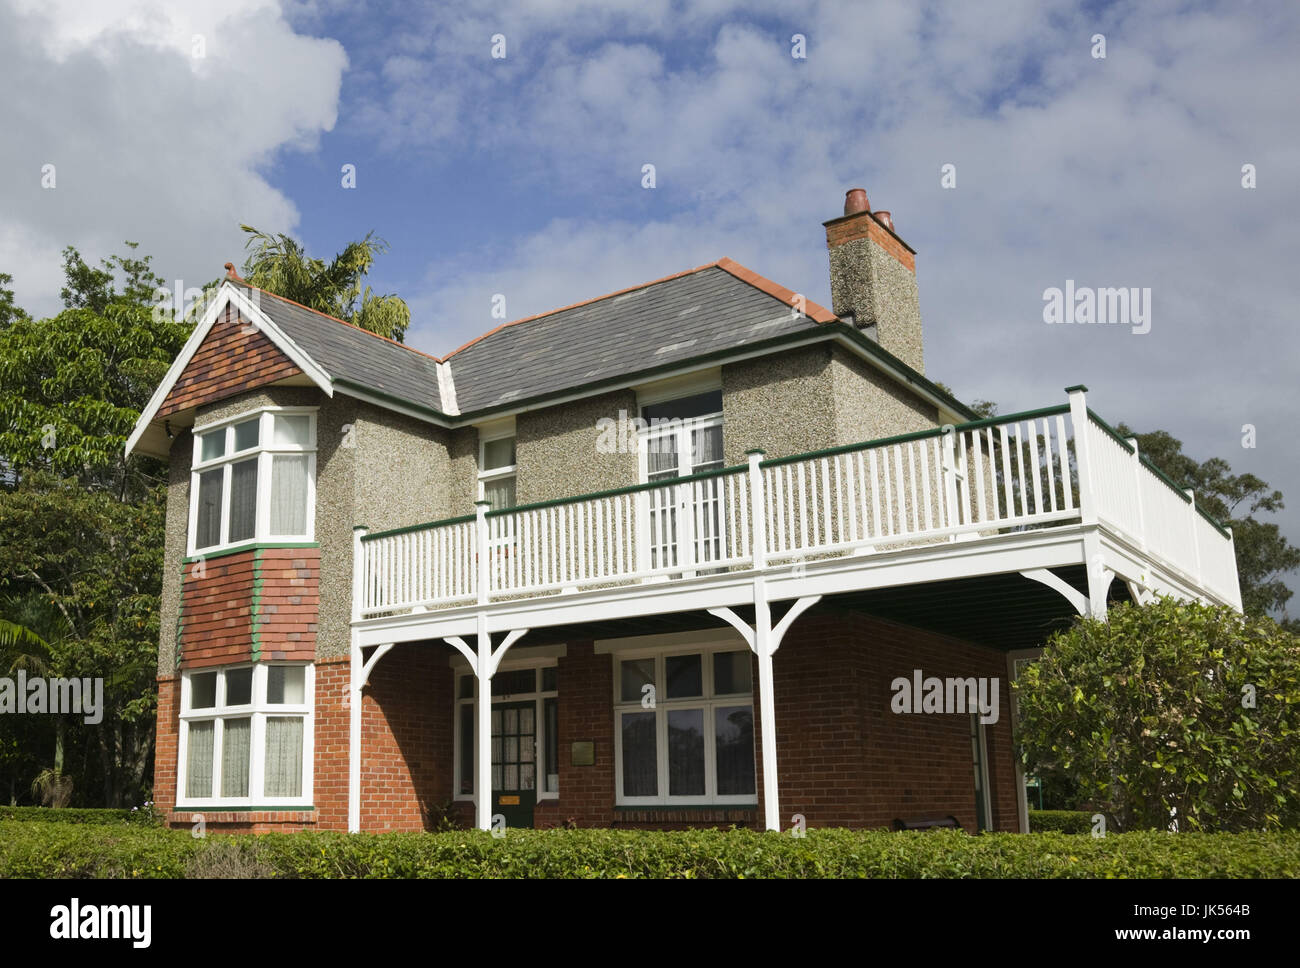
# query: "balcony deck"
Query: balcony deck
1024,492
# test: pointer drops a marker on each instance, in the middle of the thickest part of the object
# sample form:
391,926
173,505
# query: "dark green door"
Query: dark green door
514,762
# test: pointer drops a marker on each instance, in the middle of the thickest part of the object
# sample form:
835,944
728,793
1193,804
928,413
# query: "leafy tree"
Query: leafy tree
281,265
9,312
81,526
1167,710
73,386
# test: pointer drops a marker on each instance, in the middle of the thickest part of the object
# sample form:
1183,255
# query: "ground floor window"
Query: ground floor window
684,727
525,726
246,735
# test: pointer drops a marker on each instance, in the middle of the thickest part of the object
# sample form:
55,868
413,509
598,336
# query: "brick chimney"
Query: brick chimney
873,278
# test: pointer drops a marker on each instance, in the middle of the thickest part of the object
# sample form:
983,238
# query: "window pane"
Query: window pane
514,683
635,674
467,748
500,494
236,736
239,687
284,756
286,685
734,730
289,495
684,675
203,690
246,434
207,532
198,772
640,768
732,673
498,453
551,744
292,431
243,500
466,687
661,456
685,752
550,676
706,449
694,406
212,445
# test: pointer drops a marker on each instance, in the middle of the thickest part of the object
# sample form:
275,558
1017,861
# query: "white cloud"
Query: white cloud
148,142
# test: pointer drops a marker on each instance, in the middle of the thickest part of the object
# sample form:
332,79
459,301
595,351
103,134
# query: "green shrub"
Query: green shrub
1060,821
1172,710
85,850
144,817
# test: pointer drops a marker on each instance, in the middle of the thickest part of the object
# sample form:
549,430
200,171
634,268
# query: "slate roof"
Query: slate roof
350,353
717,307
677,319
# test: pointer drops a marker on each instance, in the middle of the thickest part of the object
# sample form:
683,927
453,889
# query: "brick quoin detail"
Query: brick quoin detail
235,356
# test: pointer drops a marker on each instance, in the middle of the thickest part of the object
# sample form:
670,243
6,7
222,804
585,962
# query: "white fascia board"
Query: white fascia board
226,295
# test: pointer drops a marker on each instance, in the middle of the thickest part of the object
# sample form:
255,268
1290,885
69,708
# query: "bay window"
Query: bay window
253,479
684,727
246,736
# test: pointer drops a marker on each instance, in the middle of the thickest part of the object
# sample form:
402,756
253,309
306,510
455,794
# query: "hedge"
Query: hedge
1061,821
79,815
71,850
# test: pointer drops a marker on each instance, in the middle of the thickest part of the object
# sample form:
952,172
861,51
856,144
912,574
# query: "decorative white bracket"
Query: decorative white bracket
1057,584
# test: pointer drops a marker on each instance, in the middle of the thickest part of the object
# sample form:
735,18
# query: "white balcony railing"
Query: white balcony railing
1001,475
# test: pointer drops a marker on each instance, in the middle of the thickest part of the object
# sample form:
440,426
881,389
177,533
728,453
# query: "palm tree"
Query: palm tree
280,265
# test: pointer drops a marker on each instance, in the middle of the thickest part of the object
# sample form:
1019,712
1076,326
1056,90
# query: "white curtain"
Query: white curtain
198,771
236,740
243,500
283,756
289,495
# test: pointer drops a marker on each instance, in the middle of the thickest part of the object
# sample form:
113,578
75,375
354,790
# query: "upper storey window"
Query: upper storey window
253,480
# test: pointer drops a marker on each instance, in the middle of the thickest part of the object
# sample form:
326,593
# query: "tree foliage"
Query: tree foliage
279,264
1171,711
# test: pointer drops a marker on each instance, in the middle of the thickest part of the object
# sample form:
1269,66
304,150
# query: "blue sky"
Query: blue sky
522,175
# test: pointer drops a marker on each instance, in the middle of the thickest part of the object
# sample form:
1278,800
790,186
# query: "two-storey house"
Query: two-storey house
700,552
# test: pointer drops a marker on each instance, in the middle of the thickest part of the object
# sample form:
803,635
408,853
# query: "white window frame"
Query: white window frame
709,701
539,698
497,473
258,710
264,453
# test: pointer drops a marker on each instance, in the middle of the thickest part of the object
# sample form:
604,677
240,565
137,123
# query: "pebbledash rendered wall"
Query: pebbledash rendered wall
845,758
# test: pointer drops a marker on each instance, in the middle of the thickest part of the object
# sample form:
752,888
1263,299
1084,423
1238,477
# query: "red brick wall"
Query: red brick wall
287,604
233,357
216,610
165,744
846,759
330,780
586,714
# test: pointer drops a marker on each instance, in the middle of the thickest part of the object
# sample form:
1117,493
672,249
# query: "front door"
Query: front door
514,762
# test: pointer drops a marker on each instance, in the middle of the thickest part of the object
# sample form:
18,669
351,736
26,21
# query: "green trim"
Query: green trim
1166,478
682,808
630,489
411,404
1128,448
922,434
418,527
1080,388
1217,525
255,546
822,332
255,631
